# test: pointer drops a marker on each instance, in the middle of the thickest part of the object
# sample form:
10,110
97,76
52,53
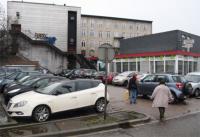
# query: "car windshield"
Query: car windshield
193,78
29,82
23,79
48,89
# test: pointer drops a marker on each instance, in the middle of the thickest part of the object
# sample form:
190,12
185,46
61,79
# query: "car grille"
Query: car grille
9,105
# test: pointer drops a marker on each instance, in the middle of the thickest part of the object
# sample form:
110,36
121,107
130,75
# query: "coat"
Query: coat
161,96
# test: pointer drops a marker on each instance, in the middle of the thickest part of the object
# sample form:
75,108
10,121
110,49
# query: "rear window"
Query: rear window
177,79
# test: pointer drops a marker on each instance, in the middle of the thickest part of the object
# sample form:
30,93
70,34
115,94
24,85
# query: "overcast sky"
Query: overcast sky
165,14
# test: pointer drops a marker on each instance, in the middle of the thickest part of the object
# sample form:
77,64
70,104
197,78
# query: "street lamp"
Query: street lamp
106,54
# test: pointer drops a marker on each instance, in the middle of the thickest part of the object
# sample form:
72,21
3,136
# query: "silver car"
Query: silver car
122,78
194,79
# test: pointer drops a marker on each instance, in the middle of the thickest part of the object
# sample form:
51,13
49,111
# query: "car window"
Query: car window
177,79
41,83
161,77
149,78
95,83
65,88
82,85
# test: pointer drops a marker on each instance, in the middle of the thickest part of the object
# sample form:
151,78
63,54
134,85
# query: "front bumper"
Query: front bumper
25,111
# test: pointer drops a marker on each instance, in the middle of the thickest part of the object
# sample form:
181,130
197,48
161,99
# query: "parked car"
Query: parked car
29,85
14,77
123,78
174,82
57,97
99,75
89,73
194,79
111,75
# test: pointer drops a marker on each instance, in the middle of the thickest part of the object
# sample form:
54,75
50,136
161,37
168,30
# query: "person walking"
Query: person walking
133,89
161,97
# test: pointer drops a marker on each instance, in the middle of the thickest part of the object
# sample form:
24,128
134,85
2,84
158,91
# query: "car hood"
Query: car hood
30,96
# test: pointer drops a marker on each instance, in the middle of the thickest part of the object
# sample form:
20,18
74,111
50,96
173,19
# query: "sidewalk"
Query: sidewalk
75,126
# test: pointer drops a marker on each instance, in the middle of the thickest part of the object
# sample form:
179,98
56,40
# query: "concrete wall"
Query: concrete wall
46,56
49,19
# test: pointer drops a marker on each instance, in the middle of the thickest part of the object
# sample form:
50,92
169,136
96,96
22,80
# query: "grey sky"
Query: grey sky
165,14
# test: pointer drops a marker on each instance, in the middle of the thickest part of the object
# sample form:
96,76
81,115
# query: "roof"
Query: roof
194,73
115,18
64,5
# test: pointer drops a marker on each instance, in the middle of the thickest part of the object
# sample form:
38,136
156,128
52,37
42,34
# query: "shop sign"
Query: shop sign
188,44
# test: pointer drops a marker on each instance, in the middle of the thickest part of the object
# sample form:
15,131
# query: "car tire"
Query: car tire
100,105
196,92
41,113
175,99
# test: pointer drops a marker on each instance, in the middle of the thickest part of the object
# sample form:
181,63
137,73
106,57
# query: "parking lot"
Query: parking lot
117,103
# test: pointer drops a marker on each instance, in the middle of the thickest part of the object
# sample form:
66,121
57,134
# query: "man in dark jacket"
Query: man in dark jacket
132,87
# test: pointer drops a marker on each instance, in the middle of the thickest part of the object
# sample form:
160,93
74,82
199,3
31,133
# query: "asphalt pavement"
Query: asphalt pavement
186,126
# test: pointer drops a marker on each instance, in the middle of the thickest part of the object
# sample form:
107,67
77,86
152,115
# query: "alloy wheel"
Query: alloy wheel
41,113
100,105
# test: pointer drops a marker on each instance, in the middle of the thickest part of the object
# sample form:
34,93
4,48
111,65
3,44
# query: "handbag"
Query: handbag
126,95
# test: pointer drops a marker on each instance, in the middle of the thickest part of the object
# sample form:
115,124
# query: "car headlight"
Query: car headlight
20,104
13,91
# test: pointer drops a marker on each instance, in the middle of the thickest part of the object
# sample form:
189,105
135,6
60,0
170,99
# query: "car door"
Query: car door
146,86
87,93
65,97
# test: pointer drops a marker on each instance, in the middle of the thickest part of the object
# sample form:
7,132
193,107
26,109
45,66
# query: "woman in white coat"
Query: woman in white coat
161,97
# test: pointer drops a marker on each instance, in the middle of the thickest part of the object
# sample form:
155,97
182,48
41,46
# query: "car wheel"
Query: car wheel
174,98
41,113
197,93
125,83
100,105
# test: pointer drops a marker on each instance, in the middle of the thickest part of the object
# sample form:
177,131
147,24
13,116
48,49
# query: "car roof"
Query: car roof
194,73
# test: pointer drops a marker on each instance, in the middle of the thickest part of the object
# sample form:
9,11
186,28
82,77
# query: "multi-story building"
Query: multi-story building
97,30
69,31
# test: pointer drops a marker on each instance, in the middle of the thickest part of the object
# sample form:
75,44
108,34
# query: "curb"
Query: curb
93,129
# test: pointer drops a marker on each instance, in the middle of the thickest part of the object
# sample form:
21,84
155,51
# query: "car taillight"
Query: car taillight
179,85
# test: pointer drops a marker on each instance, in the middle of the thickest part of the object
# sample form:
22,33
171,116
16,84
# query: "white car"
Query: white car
57,97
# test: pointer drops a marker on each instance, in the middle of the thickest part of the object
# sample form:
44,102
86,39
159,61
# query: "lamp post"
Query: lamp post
106,53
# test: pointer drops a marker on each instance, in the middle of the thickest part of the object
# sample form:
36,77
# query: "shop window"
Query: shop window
118,67
195,66
159,66
132,66
138,66
180,67
186,67
190,66
169,66
152,67
125,66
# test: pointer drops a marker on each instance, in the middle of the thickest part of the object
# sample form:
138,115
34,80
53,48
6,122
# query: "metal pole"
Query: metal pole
106,82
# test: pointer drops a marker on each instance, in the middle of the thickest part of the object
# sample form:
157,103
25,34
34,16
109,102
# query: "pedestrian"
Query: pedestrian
161,97
133,89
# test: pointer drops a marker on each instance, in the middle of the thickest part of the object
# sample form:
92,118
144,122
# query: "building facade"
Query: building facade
97,30
175,52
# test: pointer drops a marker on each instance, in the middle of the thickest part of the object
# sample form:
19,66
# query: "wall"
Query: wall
46,56
44,18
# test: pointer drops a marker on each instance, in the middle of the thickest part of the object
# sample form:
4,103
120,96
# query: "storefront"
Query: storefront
180,57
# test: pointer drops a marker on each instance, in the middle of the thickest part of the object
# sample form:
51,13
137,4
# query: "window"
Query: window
190,66
92,33
186,67
65,88
118,66
100,34
152,66
170,66
138,66
82,85
83,43
161,77
195,66
41,83
132,66
180,67
159,66
149,78
125,66
108,34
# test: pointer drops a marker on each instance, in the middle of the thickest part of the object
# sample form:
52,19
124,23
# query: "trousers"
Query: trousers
133,96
